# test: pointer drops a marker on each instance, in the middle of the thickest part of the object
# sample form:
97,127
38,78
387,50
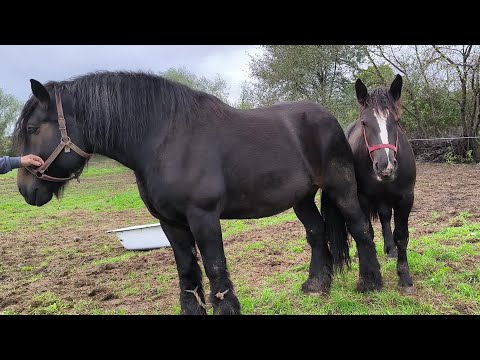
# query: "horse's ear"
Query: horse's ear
362,92
396,87
40,92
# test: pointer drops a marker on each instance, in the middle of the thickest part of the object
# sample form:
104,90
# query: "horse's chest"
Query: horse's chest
382,192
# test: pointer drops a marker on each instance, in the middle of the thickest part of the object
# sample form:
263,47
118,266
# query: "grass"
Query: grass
47,303
443,265
87,197
115,259
233,227
440,288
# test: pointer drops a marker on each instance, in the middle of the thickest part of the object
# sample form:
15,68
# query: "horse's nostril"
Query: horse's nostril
375,164
395,162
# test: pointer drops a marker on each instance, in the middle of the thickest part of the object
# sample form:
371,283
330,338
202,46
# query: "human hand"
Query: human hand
31,160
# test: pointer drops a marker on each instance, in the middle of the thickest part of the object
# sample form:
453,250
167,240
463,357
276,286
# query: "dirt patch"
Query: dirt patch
78,268
442,192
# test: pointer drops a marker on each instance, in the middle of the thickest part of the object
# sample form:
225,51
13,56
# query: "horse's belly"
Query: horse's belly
264,202
253,211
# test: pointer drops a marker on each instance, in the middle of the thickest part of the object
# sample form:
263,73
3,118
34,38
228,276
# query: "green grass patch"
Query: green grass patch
130,290
466,232
257,245
233,227
47,303
115,259
297,246
106,196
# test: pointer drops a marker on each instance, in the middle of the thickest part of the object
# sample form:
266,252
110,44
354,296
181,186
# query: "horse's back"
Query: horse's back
279,153
349,129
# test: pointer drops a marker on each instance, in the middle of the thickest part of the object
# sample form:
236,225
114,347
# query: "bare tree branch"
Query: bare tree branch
446,58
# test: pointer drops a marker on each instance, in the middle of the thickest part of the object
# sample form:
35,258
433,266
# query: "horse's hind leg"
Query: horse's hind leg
320,272
192,299
385,215
400,236
357,224
206,229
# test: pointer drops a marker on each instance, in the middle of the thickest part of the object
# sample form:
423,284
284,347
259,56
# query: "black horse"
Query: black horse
198,160
385,168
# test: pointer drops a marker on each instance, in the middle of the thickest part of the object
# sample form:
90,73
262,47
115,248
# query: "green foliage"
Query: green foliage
452,158
9,111
216,86
375,76
320,73
247,97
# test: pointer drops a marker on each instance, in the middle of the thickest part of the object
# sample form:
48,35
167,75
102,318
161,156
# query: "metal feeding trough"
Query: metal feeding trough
142,237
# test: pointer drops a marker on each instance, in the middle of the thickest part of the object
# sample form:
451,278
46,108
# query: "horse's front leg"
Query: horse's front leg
400,237
385,215
358,225
192,299
206,229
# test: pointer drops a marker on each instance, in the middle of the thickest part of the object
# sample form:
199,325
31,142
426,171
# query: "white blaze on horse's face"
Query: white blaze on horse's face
382,117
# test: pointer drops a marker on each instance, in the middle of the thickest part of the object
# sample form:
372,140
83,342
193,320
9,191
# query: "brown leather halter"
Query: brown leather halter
65,143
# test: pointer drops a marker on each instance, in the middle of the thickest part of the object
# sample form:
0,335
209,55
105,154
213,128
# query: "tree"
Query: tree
247,98
320,73
442,87
216,86
463,62
375,76
9,110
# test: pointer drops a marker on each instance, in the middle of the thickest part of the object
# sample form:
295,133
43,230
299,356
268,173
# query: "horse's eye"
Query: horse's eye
363,123
32,130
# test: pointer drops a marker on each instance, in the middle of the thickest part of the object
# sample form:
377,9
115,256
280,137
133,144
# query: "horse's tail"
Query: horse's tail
373,213
335,232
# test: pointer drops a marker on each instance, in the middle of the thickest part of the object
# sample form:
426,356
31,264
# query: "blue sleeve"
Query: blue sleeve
8,163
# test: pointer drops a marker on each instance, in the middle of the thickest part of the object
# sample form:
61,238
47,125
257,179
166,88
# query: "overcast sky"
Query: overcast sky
19,63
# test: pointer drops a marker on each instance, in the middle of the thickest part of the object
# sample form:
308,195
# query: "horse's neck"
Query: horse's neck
123,156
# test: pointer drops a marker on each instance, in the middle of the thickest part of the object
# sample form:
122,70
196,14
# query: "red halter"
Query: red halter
379,146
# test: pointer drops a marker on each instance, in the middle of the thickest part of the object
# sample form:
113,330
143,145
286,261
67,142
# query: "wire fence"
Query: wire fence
451,138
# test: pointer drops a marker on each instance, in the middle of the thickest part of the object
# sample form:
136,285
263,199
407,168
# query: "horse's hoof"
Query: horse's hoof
407,290
373,283
191,306
227,308
316,286
227,304
405,285
392,253
193,310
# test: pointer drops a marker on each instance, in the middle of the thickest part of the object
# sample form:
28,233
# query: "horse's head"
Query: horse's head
379,116
47,128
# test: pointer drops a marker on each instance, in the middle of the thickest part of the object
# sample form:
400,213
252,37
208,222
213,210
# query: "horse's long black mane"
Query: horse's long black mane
120,106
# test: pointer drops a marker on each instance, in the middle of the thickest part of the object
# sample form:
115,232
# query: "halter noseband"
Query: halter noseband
380,146
65,143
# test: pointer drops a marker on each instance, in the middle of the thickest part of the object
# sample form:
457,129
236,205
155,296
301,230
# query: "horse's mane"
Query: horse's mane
119,106
380,100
